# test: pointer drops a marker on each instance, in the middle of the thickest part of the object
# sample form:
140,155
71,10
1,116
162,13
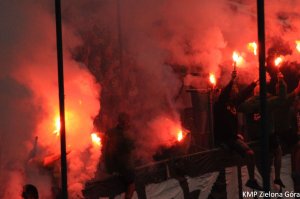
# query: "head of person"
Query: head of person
234,91
124,120
30,192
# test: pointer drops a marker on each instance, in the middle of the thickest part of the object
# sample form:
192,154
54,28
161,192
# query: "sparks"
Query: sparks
212,79
253,47
298,45
278,61
96,139
179,135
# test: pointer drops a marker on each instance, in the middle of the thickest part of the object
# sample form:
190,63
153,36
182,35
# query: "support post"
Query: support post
263,97
64,183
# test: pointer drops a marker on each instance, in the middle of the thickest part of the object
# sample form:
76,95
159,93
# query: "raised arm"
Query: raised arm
246,93
225,93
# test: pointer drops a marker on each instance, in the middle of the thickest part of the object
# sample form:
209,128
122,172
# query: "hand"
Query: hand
233,75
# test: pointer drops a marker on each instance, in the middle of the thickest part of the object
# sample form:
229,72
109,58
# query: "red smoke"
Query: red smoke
197,36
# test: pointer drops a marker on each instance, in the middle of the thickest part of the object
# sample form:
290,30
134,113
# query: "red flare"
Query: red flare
96,139
179,135
212,79
237,59
278,61
253,47
298,45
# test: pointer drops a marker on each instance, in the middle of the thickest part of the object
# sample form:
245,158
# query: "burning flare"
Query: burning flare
57,125
212,79
278,61
253,47
298,45
96,139
179,135
237,59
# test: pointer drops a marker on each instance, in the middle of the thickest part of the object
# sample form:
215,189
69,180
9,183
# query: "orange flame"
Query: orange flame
278,61
179,135
212,79
253,47
298,45
237,58
96,139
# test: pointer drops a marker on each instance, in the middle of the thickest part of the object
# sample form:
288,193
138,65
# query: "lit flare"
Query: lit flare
278,61
57,126
237,59
212,79
179,135
298,45
253,47
96,139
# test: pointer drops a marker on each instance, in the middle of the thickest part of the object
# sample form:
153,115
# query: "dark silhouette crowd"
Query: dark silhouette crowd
280,121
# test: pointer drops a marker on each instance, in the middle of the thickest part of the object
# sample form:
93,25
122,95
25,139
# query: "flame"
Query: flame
237,58
212,79
179,135
278,61
253,47
57,125
96,139
298,45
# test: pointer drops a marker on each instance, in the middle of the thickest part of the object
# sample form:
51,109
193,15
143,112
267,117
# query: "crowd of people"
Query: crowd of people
279,122
118,147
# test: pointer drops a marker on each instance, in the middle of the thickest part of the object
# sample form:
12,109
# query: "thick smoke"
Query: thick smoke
140,59
29,103
163,45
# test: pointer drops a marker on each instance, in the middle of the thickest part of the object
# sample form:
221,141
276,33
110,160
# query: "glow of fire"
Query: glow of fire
96,139
237,58
179,135
253,47
298,45
278,61
212,79
57,126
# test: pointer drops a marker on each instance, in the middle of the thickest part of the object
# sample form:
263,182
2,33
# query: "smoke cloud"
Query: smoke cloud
164,44
140,53
29,100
